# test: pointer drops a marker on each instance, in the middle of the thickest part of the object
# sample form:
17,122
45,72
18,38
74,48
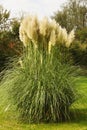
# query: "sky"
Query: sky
40,8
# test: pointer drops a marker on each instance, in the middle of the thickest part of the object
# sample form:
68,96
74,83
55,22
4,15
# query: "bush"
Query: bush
40,85
79,53
10,44
81,35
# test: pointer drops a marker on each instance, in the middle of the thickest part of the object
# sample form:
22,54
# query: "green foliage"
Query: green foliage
81,35
15,23
4,15
41,87
7,119
61,18
10,44
72,15
41,83
79,53
9,47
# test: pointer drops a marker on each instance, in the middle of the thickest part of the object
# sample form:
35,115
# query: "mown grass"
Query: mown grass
8,119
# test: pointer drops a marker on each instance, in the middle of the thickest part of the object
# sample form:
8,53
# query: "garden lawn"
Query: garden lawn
8,119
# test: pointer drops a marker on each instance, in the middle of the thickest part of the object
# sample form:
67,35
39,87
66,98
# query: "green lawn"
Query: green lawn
8,121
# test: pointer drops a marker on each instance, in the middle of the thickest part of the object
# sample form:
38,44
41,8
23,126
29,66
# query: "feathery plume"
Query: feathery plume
32,29
43,26
70,38
23,36
46,32
53,37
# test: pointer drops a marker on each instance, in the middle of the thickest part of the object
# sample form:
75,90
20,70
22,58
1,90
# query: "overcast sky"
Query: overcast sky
40,8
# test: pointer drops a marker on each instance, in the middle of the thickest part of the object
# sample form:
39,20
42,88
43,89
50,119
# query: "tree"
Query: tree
72,14
4,16
10,44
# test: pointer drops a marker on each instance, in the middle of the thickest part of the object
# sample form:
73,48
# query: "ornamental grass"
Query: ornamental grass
41,86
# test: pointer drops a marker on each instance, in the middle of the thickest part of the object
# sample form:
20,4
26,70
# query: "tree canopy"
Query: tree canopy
72,15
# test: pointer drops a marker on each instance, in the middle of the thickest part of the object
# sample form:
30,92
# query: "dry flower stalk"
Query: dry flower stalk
34,30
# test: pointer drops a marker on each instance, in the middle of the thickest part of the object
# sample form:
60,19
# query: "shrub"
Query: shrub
79,53
41,86
10,45
81,35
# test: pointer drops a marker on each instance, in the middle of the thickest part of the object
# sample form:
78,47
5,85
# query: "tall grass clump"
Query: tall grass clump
39,84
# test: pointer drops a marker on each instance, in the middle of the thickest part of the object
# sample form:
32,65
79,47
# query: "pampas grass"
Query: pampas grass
39,84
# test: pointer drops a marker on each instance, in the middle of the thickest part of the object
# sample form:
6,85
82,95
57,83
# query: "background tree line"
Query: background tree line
9,37
73,15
